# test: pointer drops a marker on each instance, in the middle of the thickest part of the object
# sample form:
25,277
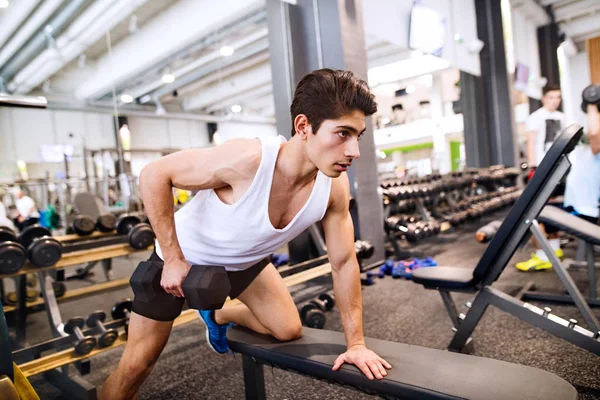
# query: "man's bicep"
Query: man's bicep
339,237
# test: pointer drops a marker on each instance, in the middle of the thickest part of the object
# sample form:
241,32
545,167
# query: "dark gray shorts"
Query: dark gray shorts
167,308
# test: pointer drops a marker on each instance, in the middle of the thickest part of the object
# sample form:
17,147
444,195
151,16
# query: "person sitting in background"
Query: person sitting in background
543,127
28,212
4,220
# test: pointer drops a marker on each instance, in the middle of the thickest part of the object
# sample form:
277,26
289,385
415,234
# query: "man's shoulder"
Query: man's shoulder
245,154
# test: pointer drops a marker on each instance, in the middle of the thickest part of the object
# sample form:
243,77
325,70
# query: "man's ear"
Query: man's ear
302,126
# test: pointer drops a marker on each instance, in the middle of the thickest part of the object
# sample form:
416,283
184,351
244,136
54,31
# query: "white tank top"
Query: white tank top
239,235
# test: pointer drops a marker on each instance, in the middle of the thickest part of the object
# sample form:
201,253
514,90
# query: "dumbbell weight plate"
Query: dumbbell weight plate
328,300
12,257
108,338
44,252
118,311
83,225
7,235
315,319
305,309
126,222
320,304
106,223
141,236
32,232
59,288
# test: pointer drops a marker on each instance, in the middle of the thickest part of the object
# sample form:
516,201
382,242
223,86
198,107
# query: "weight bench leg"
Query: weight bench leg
591,271
254,379
450,307
461,342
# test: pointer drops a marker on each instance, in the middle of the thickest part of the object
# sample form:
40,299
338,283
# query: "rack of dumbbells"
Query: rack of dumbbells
35,256
418,208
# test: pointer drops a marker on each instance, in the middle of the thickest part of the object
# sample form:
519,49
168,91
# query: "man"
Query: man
28,212
254,196
543,126
582,191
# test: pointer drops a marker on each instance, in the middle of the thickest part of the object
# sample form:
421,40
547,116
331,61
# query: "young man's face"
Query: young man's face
551,100
335,146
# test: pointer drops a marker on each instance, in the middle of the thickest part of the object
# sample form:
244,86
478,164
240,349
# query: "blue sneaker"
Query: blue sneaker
216,335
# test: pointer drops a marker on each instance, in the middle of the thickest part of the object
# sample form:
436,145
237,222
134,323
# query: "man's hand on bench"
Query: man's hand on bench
366,360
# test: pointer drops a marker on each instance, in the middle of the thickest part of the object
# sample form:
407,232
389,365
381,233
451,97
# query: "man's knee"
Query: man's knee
288,332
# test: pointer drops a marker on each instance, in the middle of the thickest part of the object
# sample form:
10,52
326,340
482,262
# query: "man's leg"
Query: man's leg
145,341
268,307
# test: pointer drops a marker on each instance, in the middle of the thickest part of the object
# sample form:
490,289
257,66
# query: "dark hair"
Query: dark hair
550,88
329,94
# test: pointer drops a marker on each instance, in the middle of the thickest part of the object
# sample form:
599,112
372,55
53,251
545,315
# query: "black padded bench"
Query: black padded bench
571,224
520,223
417,372
588,235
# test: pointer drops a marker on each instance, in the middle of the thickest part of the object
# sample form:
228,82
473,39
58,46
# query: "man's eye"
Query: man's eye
343,134
360,136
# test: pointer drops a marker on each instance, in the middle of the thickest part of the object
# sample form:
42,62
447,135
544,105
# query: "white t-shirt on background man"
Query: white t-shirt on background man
548,125
24,204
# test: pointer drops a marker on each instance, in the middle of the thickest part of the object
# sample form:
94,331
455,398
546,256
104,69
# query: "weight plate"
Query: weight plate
126,222
106,223
32,232
305,309
7,235
315,319
83,225
108,338
11,298
59,288
12,257
141,236
85,345
118,310
328,300
44,252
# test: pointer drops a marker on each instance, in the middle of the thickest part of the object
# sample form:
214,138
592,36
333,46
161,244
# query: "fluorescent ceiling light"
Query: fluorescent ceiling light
236,108
126,98
168,78
406,69
410,89
226,51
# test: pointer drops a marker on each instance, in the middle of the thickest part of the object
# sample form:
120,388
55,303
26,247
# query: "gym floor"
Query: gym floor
395,310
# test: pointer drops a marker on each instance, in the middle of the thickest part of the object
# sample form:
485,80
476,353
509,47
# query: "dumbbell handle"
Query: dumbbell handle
100,326
78,333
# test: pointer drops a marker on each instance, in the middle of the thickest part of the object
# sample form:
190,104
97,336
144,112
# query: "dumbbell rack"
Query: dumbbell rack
458,190
45,279
73,384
